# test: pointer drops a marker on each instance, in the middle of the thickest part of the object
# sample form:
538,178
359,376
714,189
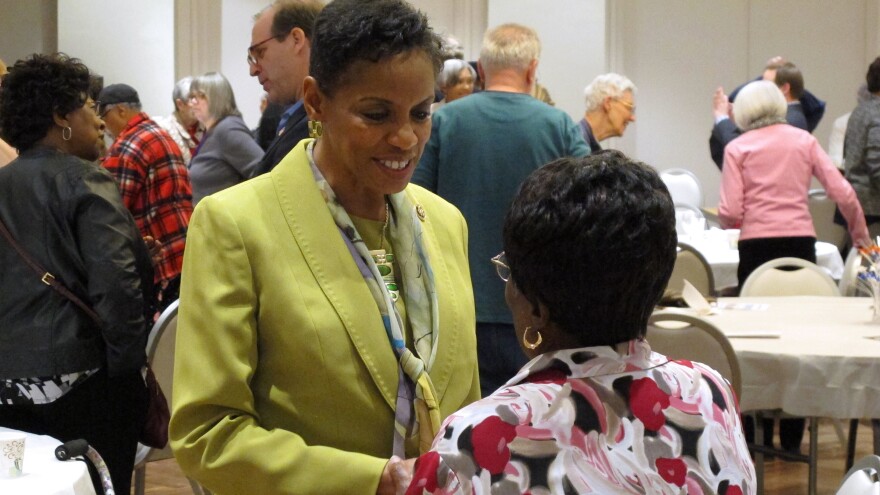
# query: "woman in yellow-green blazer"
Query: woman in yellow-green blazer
326,314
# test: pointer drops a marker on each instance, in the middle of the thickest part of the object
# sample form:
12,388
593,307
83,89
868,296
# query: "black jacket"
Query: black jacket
68,215
295,130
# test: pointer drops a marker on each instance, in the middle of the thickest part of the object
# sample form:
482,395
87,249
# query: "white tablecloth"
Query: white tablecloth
46,475
716,246
825,361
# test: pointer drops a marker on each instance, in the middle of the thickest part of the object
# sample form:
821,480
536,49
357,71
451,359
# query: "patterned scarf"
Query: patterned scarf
415,391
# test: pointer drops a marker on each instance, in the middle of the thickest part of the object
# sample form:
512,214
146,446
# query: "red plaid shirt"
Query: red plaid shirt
155,187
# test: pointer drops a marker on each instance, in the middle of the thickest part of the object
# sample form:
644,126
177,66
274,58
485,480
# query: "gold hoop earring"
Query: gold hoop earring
66,133
316,129
532,345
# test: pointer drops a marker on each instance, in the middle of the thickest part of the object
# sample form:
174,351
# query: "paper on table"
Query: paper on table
752,334
695,300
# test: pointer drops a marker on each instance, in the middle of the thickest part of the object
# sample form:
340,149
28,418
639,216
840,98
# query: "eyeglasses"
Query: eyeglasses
629,106
254,51
194,98
102,111
500,262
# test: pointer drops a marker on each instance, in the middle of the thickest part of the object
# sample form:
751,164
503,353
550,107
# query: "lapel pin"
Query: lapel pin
420,211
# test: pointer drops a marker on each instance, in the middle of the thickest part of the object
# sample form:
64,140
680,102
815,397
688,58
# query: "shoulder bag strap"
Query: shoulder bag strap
46,277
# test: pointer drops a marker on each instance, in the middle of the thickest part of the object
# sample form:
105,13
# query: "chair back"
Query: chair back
689,220
160,355
822,210
806,279
849,281
692,266
684,186
863,478
683,336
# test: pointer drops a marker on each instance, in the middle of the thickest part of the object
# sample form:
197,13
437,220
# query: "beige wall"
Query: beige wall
678,51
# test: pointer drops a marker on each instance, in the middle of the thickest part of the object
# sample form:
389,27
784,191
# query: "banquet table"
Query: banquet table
806,355
44,474
809,356
719,248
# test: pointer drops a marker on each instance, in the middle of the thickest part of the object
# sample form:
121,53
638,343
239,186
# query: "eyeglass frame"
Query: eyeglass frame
501,267
253,58
629,105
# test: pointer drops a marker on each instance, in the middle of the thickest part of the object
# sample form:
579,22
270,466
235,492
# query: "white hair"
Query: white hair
759,104
611,84
448,75
509,46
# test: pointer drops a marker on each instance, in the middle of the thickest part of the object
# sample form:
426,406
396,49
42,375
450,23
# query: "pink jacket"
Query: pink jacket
765,181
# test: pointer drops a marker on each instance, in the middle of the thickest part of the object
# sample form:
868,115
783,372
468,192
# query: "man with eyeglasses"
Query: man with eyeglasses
279,58
610,108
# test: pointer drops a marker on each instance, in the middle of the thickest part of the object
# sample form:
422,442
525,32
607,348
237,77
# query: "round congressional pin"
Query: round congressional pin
420,211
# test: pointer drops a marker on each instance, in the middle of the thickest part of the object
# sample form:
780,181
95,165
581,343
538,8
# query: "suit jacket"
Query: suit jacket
726,131
295,130
289,383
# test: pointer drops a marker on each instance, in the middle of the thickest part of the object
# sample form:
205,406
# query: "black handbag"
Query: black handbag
155,431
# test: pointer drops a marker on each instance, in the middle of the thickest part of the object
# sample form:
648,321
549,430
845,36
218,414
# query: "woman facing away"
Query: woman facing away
62,373
326,307
227,152
589,244
765,183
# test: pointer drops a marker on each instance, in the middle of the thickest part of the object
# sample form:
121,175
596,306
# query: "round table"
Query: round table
719,248
44,474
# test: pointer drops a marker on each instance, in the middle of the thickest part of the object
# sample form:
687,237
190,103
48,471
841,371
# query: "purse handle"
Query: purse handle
47,278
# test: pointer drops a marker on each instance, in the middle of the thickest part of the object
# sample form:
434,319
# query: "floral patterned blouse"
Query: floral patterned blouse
591,420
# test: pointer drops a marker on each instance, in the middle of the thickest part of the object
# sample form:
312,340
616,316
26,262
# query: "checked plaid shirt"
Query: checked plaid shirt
155,188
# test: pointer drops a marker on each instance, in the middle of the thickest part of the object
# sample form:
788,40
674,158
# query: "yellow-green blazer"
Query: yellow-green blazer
284,378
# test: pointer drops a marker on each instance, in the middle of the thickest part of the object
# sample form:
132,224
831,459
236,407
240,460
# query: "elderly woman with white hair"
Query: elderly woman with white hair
456,80
765,181
610,100
227,153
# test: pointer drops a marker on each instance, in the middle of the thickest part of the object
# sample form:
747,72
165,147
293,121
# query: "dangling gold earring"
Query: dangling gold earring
66,133
316,129
536,343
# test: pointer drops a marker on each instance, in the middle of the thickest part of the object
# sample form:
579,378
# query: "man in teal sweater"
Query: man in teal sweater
481,148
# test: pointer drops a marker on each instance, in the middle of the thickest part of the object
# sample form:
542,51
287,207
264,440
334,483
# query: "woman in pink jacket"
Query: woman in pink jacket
766,178
764,191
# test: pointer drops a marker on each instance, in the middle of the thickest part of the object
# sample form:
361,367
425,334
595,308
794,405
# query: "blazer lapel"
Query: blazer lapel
333,267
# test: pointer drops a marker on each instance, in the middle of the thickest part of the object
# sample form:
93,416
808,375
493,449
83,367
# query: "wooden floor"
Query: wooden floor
782,478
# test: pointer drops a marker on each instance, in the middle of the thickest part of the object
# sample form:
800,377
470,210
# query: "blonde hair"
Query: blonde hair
2,67
509,46
759,104
611,84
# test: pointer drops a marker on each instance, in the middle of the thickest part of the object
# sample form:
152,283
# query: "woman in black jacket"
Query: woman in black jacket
62,373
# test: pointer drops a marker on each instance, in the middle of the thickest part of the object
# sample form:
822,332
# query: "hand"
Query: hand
777,60
720,103
396,476
154,247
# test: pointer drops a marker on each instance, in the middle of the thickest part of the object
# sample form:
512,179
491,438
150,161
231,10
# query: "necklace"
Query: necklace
384,261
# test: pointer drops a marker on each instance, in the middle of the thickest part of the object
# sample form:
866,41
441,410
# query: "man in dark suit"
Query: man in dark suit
279,58
800,103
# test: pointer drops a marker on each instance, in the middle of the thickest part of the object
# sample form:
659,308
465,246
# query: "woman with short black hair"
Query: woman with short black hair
589,245
62,373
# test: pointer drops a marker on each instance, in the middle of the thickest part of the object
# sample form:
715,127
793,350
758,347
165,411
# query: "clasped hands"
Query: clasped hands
396,476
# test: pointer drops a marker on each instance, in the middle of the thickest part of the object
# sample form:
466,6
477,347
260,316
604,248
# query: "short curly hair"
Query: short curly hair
348,31
594,240
37,88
